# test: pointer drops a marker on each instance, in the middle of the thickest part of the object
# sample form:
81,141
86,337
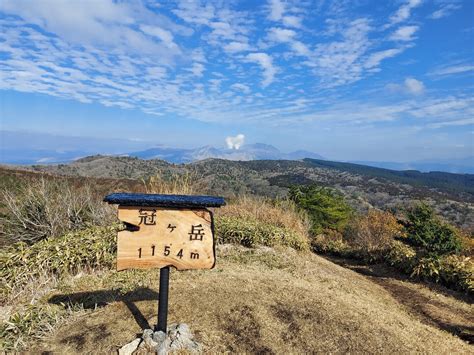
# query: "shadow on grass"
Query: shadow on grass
97,299
428,309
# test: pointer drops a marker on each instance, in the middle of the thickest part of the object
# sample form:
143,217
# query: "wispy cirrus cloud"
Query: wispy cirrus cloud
404,33
453,69
404,11
445,9
266,62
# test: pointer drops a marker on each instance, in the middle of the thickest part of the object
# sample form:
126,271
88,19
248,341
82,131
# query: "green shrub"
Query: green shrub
426,230
326,207
250,233
90,248
402,256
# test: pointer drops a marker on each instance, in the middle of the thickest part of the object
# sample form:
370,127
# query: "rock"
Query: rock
181,338
129,348
178,338
147,337
159,336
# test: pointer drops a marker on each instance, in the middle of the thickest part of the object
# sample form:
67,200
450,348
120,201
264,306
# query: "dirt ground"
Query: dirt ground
267,301
433,304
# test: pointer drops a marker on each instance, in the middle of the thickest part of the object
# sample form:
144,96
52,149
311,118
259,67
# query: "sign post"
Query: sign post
163,299
163,231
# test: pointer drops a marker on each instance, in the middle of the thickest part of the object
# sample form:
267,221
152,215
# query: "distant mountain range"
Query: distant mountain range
27,148
458,166
258,151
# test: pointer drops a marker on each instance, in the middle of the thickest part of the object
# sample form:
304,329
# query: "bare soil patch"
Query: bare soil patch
433,304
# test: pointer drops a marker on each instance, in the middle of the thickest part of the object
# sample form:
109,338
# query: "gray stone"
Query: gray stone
159,336
129,348
148,339
178,337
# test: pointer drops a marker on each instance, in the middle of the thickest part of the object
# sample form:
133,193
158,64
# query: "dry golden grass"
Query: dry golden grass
283,213
255,300
176,184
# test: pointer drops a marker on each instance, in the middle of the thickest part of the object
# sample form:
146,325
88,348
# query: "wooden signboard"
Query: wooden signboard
163,231
159,236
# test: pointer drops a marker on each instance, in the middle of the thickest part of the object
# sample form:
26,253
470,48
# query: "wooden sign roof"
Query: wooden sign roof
170,201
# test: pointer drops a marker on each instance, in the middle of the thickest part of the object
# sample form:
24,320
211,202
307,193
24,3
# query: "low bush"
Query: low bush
371,236
92,248
331,242
453,271
402,256
175,184
326,207
34,321
50,208
457,272
280,213
251,232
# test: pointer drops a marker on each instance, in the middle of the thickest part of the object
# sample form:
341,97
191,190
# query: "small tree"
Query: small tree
326,207
426,230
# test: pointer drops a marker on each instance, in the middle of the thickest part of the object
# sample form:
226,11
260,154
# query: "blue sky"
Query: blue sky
350,80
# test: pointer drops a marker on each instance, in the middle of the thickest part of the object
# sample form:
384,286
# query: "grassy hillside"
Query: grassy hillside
255,300
364,187
268,293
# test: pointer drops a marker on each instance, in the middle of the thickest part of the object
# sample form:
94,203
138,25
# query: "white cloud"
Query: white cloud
341,61
409,86
292,21
265,61
241,87
140,65
429,112
279,12
197,69
281,34
463,122
454,69
107,23
234,47
444,10
404,33
404,11
165,36
414,86
235,142
277,9
195,12
375,58
284,35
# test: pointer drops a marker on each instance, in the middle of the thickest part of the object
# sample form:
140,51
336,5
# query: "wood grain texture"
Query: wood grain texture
152,242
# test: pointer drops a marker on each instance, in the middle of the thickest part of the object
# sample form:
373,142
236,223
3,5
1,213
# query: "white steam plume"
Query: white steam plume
235,142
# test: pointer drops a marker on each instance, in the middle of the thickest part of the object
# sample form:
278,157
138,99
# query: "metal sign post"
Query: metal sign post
163,299
163,231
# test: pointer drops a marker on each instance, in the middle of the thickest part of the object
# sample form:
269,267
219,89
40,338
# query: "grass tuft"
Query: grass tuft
251,233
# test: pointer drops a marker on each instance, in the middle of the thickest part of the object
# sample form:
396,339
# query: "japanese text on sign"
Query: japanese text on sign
181,238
